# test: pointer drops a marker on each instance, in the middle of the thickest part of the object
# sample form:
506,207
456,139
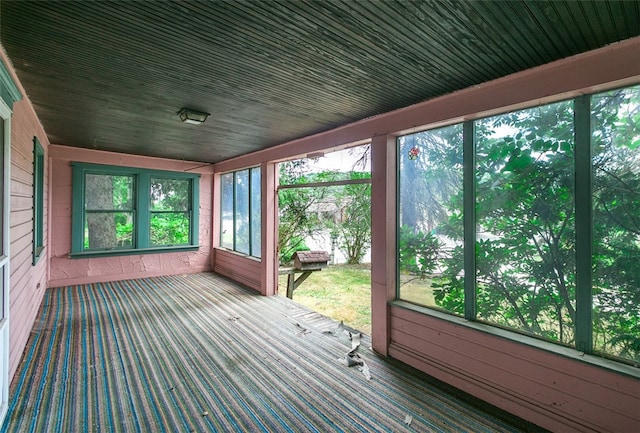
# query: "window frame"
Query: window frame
38,201
251,222
141,242
584,237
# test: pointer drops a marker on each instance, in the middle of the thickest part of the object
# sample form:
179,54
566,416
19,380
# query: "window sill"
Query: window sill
131,252
567,352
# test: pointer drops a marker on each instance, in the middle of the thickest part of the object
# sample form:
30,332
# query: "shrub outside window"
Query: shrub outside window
240,211
120,209
551,233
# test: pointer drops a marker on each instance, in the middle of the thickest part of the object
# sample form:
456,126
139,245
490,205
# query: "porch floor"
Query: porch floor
197,353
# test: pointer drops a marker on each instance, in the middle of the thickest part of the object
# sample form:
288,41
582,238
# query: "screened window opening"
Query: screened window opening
120,209
240,219
542,218
615,144
430,219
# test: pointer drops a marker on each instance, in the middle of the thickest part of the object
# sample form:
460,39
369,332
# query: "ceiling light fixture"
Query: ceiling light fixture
187,115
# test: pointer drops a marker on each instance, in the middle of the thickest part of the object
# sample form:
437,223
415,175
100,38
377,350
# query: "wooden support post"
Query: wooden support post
293,283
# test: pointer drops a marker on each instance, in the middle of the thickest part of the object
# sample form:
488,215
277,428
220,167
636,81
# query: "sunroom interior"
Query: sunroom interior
523,115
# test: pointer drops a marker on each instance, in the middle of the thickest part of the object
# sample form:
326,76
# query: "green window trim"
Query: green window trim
8,90
38,200
139,210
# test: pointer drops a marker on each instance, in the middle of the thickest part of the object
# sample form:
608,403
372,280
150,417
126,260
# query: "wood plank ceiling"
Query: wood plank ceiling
112,75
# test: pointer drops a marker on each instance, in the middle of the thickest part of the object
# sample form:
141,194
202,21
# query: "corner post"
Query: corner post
383,238
269,229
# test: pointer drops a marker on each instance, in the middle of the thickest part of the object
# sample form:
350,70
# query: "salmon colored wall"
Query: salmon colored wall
556,388
239,267
27,282
66,271
558,391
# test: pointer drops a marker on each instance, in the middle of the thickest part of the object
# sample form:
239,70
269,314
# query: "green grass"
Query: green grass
342,292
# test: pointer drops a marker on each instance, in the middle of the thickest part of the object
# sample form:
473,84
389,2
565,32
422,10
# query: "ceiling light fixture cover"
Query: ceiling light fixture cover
187,115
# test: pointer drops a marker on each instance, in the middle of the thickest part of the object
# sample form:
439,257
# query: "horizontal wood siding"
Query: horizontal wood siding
553,391
27,282
65,271
245,270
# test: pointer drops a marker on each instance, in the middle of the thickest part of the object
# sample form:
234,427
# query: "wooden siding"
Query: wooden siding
65,271
27,282
243,269
557,392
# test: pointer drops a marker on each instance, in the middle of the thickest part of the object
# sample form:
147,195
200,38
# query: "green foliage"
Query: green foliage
616,227
525,219
170,200
302,216
353,230
296,219
525,199
418,252
124,232
169,229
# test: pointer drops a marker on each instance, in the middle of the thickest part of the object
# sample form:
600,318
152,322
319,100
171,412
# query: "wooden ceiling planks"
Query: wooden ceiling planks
112,75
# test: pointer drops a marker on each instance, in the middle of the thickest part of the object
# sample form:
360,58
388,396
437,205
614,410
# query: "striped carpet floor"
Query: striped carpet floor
197,353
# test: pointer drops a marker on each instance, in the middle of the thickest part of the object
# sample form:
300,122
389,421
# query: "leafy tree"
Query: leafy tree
616,208
108,204
525,199
431,224
418,253
296,221
525,220
353,229
431,179
300,218
169,211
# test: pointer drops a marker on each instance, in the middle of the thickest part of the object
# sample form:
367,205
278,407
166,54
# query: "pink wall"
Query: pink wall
239,267
27,282
558,391
553,387
66,271
383,242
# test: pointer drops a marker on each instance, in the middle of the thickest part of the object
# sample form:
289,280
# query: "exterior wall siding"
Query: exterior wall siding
27,282
65,271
